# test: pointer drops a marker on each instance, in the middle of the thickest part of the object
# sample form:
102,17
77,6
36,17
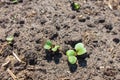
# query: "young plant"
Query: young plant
75,6
10,39
49,46
71,54
72,59
79,50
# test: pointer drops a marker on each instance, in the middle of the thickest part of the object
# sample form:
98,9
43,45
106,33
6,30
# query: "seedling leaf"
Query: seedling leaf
81,51
48,44
55,48
70,53
10,39
79,46
72,59
76,6
47,47
14,1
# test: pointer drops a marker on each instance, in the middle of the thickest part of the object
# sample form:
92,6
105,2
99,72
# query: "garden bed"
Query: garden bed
96,24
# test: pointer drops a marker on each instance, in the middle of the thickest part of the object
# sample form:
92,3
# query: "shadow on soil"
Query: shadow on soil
55,56
81,62
72,67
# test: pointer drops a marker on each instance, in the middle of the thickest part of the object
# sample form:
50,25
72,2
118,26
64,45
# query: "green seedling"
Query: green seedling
76,6
10,39
70,53
72,59
49,46
15,1
79,50
54,49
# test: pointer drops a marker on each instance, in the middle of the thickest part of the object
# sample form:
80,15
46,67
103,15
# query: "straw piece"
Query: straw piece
6,63
11,74
17,57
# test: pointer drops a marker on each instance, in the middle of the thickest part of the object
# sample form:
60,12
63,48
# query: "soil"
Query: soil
32,22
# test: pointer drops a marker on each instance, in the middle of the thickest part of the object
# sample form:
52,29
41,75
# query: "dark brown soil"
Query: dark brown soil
32,22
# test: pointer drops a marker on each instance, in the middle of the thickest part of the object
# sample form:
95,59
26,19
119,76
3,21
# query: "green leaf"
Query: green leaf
79,46
82,51
47,47
72,59
55,48
14,1
48,44
76,6
10,39
70,53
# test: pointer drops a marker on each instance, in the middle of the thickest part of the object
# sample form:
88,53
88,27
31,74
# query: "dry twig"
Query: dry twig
17,57
11,74
6,63
2,47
